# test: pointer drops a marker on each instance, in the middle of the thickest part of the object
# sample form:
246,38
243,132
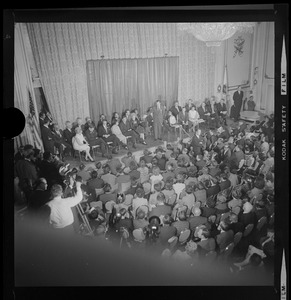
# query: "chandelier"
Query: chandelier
214,33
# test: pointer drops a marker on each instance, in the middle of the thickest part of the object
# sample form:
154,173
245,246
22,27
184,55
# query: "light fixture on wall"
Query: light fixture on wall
214,33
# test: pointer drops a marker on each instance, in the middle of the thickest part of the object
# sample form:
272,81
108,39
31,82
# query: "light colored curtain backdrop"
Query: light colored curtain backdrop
22,83
118,84
62,49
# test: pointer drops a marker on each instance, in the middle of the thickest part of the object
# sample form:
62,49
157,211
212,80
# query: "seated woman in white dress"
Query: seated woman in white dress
172,120
80,144
193,117
115,129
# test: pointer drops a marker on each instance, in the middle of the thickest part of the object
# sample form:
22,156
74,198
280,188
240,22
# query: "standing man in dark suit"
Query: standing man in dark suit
237,103
197,142
158,119
47,136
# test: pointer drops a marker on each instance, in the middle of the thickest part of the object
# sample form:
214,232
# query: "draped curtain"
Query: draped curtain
23,84
118,84
61,51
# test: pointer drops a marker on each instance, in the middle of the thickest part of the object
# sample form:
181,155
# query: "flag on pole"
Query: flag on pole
34,125
228,101
225,86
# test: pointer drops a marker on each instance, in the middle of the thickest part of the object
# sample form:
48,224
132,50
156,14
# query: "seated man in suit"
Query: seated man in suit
161,208
78,123
221,111
68,133
60,142
251,104
126,130
105,133
203,113
92,138
175,109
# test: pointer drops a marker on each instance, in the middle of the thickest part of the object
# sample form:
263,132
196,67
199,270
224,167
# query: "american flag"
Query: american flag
34,126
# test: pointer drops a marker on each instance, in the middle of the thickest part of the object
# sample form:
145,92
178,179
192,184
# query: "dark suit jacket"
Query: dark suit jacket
50,172
237,98
236,227
86,126
202,112
174,110
26,170
224,184
48,139
208,211
160,210
206,245
101,131
224,239
183,117
196,221
196,143
124,127
213,190
68,135
246,219
220,108
37,199
59,138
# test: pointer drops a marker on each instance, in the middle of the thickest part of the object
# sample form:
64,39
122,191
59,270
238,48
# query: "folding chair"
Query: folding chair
226,252
261,222
271,220
184,236
172,242
79,154
248,229
237,237
93,150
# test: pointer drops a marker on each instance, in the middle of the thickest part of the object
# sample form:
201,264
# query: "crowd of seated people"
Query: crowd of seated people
185,201
126,128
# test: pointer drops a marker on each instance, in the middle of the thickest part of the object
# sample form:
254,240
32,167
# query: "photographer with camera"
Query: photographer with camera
152,233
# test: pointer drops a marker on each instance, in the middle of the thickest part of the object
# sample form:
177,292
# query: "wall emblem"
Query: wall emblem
238,46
